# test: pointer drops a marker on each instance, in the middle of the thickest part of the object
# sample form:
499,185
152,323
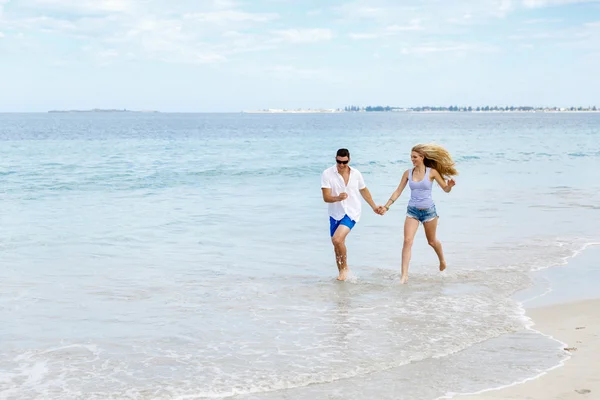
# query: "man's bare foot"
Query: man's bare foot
343,274
403,279
442,265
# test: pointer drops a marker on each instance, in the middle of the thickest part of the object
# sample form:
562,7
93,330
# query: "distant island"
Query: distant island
294,111
425,109
102,110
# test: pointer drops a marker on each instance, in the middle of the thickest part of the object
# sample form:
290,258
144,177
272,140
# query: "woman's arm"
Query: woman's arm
398,191
446,187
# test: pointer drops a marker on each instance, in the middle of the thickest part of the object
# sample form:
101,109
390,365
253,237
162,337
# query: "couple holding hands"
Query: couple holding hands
342,184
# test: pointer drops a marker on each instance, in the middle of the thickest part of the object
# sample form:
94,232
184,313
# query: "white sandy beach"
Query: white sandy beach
578,325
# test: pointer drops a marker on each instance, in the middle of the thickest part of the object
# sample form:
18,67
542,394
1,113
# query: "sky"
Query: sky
229,56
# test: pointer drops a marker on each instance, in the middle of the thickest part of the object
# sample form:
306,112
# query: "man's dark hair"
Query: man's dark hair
343,153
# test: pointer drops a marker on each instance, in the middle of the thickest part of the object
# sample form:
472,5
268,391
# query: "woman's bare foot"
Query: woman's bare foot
442,265
343,274
403,279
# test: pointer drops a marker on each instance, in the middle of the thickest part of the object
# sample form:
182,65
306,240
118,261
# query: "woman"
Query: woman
431,162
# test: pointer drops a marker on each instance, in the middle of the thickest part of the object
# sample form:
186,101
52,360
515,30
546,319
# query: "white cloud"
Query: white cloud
428,48
229,16
85,6
503,7
1,35
414,25
536,21
53,25
380,10
390,30
433,11
239,42
357,11
213,31
303,35
288,71
109,53
167,40
549,3
434,49
186,31
102,57
2,3
437,13
584,36
364,36
224,3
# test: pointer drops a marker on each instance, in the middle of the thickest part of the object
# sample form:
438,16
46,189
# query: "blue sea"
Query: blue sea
187,256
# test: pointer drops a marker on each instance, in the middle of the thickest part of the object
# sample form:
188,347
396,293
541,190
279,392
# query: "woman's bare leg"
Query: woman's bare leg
410,229
430,233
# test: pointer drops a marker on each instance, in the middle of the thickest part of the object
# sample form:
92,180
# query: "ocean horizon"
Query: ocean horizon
187,256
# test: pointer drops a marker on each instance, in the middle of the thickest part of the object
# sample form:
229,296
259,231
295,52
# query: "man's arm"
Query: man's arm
326,189
364,192
328,198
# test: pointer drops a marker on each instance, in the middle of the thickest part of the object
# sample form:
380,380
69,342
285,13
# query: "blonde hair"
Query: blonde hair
438,158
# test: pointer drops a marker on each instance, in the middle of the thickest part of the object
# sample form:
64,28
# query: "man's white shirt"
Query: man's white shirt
331,179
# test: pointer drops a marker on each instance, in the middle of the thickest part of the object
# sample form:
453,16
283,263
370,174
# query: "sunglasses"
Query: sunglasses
341,162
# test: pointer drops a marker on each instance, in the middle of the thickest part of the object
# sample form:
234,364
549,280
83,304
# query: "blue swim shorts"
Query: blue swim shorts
333,224
422,215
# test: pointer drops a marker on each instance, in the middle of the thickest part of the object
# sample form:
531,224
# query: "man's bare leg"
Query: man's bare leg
339,246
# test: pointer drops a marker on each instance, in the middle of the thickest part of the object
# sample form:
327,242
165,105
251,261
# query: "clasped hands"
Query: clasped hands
380,210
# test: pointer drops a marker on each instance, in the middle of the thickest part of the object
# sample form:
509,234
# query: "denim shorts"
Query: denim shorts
422,215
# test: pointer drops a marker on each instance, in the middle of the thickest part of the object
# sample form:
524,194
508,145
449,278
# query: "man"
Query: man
341,186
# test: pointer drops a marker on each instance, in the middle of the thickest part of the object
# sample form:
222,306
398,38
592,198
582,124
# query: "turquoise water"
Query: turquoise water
183,256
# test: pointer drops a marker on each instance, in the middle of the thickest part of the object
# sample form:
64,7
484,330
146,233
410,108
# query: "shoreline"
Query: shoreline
574,323
575,326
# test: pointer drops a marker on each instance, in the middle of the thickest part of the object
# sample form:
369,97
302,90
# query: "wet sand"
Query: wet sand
577,324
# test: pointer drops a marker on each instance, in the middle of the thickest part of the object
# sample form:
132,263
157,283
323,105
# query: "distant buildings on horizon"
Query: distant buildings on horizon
372,109
467,109
423,109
